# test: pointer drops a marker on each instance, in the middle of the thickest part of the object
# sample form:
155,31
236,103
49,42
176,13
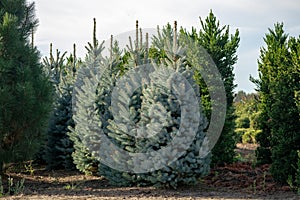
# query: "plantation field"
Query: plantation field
240,180
160,108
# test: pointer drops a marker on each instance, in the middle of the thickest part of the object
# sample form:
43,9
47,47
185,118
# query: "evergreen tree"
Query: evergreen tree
222,47
59,148
25,91
296,63
150,106
83,159
277,83
284,114
269,60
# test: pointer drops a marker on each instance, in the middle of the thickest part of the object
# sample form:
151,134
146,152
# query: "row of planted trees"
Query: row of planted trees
167,52
31,93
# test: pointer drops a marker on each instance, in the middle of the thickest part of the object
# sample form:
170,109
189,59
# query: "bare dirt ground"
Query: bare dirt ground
240,180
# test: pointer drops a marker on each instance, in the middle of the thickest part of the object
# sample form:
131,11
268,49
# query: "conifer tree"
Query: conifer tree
284,114
150,106
222,48
278,81
25,91
296,63
275,41
83,159
59,148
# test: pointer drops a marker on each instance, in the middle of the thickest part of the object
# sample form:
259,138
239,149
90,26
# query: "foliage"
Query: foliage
29,168
12,187
150,105
25,91
297,96
297,181
1,187
297,99
246,110
222,47
82,157
59,148
243,122
279,115
250,136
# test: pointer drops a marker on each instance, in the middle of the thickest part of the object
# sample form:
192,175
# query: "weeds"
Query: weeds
293,187
254,187
71,186
29,168
12,188
264,181
298,174
16,188
1,187
239,158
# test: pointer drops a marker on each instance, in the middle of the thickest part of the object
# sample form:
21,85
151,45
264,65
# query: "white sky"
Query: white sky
64,22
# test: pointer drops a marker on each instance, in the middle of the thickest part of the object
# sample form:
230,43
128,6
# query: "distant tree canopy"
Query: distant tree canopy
246,111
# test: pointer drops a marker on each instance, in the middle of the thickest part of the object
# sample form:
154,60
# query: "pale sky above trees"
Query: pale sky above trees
64,22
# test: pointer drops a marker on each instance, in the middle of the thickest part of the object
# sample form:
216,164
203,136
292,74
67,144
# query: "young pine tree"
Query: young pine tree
25,91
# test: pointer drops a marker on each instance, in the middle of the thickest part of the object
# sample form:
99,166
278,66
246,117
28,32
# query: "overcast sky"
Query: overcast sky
64,22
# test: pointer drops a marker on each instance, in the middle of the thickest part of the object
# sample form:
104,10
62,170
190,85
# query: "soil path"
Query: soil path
240,180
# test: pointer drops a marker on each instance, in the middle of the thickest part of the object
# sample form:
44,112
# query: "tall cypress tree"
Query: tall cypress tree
25,91
294,44
278,81
270,58
222,47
